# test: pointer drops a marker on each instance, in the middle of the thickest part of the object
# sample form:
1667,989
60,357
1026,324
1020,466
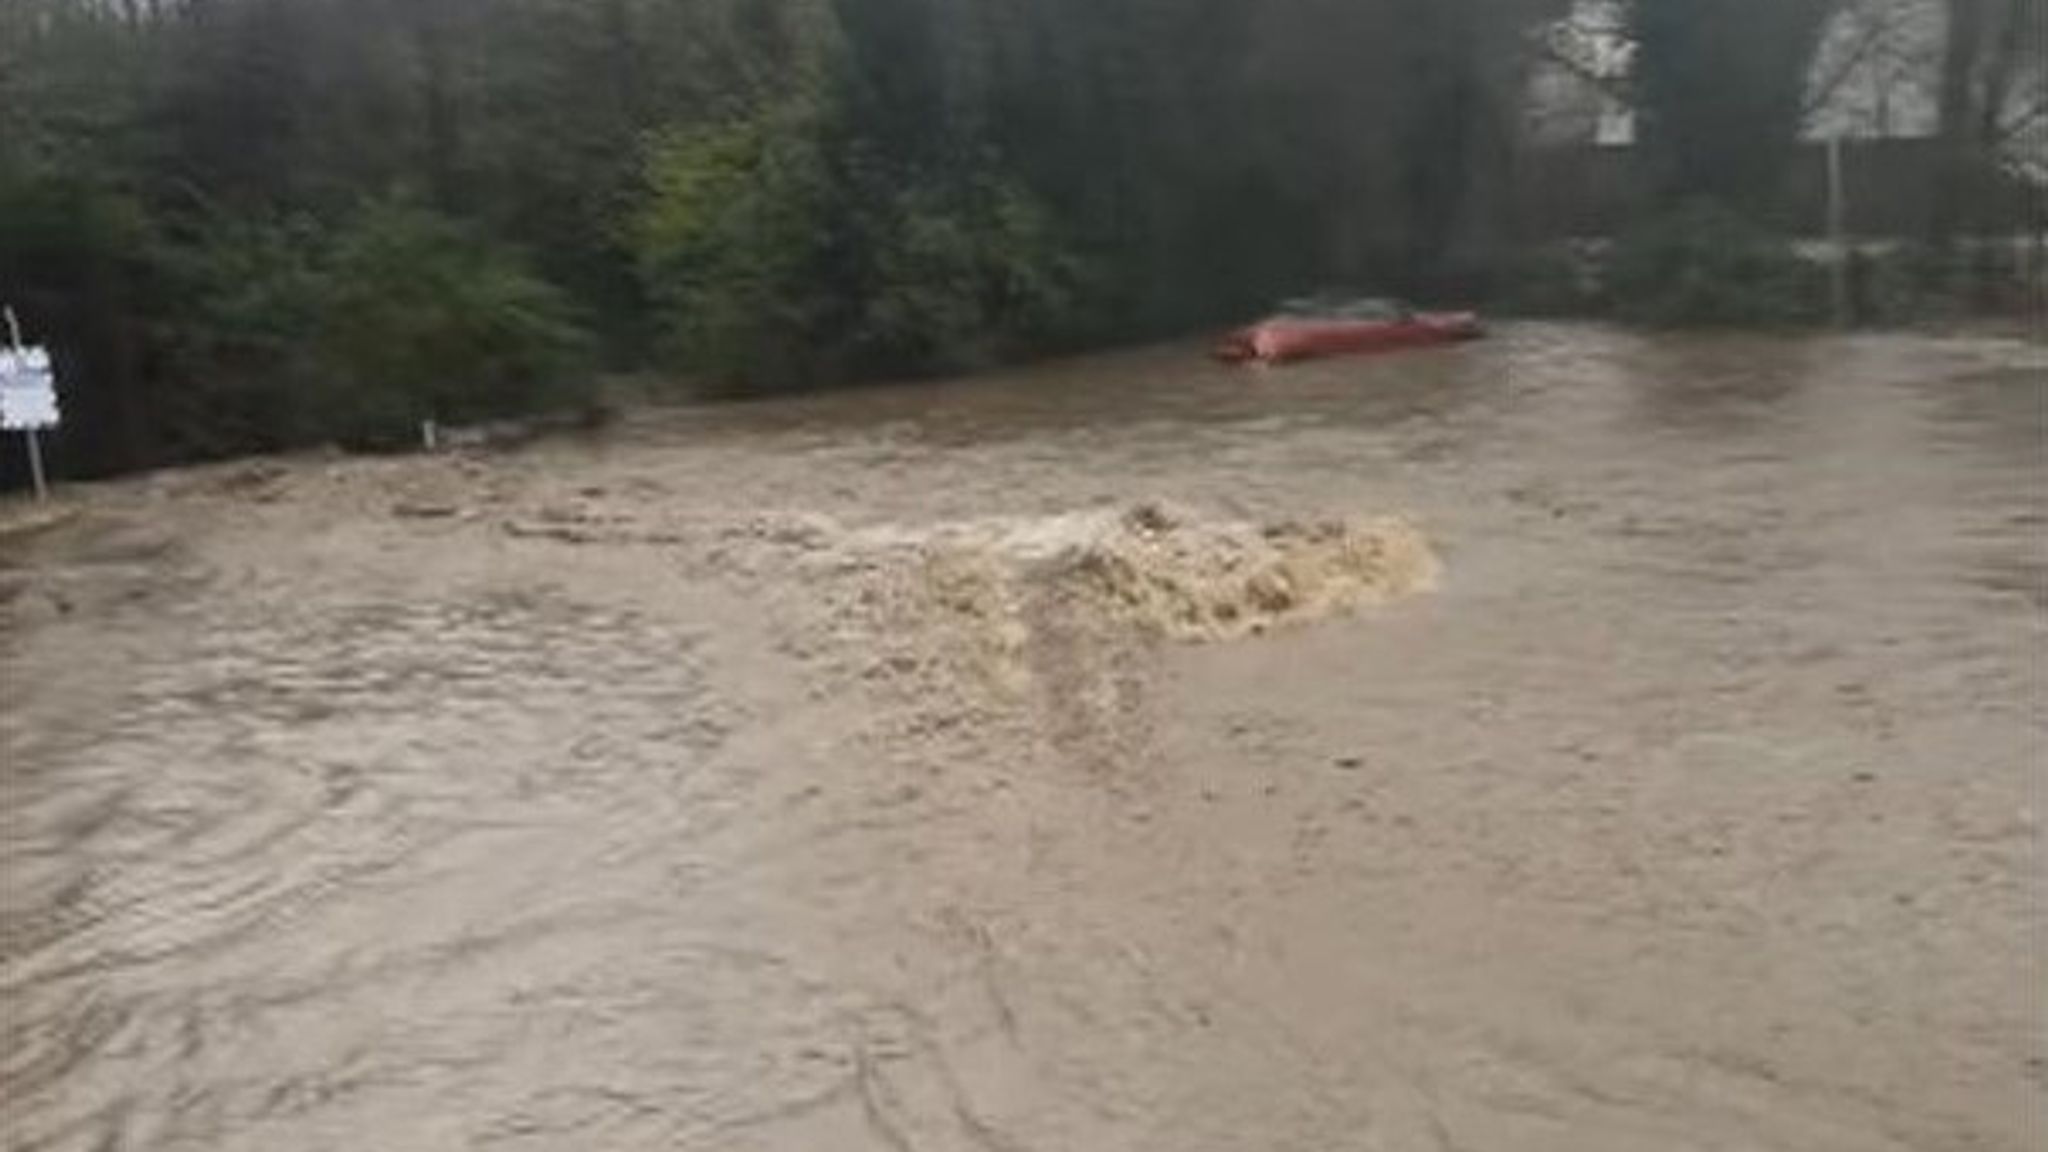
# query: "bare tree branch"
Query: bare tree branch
2029,114
1874,32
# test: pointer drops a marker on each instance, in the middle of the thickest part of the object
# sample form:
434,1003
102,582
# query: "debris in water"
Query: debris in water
1186,578
1162,570
425,510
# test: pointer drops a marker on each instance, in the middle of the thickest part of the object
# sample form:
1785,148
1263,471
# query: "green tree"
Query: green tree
421,318
736,246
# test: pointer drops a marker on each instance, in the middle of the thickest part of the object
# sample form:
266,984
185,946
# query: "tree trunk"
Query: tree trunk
1960,118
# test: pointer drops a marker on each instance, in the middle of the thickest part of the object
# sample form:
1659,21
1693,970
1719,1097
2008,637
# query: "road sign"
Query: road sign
28,390
28,396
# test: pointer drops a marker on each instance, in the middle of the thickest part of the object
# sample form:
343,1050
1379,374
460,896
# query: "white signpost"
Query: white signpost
28,397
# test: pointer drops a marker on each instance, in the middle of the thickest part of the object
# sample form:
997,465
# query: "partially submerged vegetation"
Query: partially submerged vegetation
1704,265
360,333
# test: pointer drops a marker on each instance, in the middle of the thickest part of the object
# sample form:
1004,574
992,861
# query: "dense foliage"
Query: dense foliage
244,224
249,223
1703,263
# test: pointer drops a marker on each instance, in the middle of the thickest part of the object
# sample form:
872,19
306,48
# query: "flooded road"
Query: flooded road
1573,741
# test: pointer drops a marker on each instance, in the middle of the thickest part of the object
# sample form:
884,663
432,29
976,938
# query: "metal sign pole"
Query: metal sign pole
35,466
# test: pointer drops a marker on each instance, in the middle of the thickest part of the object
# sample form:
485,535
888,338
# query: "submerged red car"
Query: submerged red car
1305,329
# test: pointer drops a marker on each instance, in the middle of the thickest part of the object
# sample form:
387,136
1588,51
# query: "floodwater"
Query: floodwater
762,778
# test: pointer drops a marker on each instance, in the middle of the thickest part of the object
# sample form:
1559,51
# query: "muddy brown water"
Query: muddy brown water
623,794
